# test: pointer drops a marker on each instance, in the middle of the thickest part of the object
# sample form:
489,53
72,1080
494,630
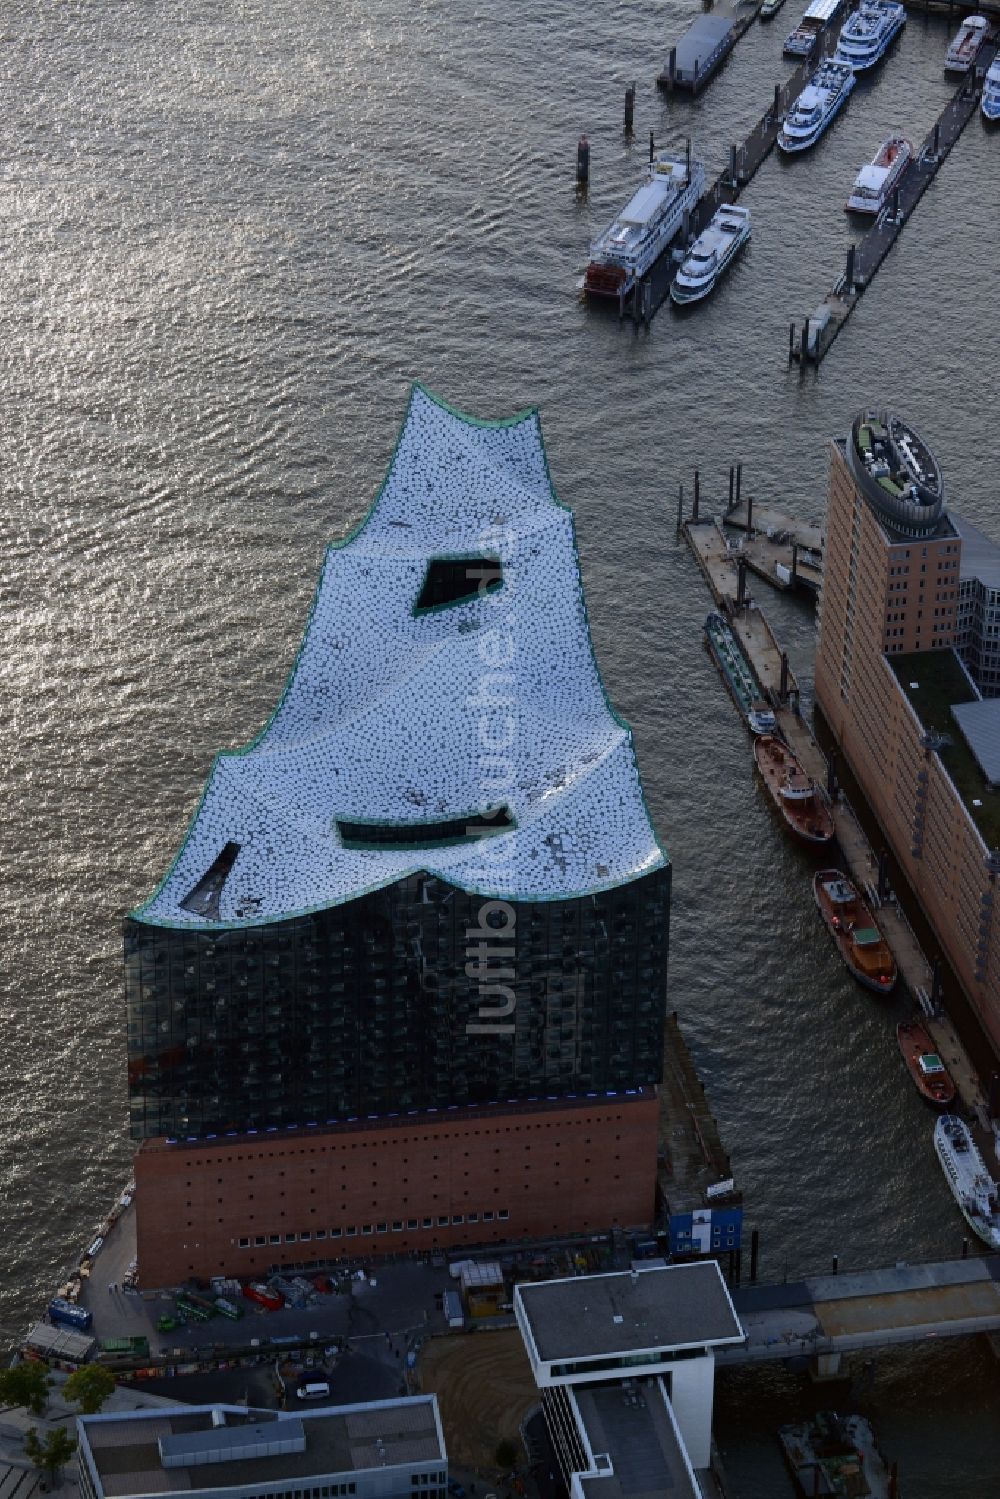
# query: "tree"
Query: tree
52,1454
89,1387
506,1455
25,1384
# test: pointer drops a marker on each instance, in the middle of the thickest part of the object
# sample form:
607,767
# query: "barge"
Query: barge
700,52
738,675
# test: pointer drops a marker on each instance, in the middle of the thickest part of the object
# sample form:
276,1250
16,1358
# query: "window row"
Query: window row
396,1226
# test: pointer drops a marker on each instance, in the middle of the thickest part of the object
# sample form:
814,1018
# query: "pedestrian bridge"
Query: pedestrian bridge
829,1315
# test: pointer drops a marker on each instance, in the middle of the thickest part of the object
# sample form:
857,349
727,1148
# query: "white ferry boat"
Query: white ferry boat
990,103
711,253
868,32
973,1188
965,45
874,183
825,93
645,226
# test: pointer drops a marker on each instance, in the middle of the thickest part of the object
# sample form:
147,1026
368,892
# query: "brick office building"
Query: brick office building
404,984
901,706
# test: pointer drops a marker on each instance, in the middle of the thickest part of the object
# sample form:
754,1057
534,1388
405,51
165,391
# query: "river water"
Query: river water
232,234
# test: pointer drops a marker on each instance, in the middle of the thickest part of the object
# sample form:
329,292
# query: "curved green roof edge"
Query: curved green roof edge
529,413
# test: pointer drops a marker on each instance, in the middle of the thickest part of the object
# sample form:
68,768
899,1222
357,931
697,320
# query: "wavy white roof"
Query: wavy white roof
393,716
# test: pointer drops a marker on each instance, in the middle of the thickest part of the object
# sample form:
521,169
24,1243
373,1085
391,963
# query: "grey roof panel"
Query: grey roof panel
679,1306
980,726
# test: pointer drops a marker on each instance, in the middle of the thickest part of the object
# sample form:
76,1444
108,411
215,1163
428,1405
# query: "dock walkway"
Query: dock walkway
864,259
827,1316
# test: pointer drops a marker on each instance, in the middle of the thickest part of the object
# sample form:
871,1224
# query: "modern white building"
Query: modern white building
386,1449
626,1366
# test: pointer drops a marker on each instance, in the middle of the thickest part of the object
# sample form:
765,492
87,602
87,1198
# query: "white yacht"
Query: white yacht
973,1188
874,183
827,90
711,254
868,32
990,103
966,43
645,226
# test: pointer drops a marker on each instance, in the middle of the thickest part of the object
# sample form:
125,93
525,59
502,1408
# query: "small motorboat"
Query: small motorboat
855,931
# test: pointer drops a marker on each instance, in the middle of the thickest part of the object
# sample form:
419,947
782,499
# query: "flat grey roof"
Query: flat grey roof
590,1315
125,1450
980,555
640,1441
980,726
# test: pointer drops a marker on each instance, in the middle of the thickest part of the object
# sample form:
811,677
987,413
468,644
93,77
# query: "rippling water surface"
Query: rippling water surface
232,234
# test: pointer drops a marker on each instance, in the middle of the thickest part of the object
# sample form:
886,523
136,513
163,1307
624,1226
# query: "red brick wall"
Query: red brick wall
551,1170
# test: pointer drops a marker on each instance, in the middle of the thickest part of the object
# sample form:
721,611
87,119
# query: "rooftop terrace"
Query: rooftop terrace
934,682
898,474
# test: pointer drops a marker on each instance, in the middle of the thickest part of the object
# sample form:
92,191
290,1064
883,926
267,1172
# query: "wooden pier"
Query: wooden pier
813,341
719,564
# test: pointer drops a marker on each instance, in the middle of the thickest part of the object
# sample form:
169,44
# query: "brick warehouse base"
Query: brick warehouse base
360,1190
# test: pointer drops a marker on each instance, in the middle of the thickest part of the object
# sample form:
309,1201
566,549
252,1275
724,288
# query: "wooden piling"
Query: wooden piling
652,148
629,108
583,161
697,495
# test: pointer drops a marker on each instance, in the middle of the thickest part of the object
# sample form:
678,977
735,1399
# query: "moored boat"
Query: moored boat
972,1186
836,1455
646,225
815,18
823,97
923,1063
797,797
868,32
990,102
738,675
711,254
855,931
965,44
874,184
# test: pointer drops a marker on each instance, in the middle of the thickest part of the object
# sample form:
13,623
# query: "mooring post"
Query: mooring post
652,148
795,563
680,507
687,156
672,66
697,495
741,581
831,775
777,100
895,205
583,161
732,483
629,108
804,346
849,273
754,1254
783,694
791,341
686,226
836,1263
739,484
732,165
937,135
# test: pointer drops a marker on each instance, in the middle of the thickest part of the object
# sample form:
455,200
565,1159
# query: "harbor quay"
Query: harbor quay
725,576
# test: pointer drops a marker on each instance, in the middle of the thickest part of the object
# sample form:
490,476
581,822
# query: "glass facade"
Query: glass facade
415,996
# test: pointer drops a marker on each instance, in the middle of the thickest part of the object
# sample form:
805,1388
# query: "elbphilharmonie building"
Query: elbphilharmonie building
428,893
